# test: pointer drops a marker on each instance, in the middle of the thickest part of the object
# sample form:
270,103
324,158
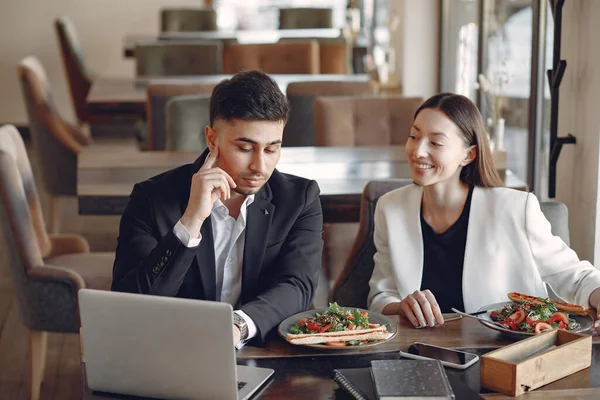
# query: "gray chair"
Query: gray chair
56,142
305,18
188,19
558,215
47,270
352,287
187,117
172,58
157,96
300,128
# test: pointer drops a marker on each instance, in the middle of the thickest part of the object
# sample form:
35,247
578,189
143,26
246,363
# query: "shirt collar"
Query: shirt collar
219,207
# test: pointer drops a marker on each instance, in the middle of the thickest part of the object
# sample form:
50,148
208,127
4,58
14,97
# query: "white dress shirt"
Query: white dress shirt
229,240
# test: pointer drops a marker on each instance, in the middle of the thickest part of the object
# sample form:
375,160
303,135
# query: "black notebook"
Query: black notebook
410,379
356,382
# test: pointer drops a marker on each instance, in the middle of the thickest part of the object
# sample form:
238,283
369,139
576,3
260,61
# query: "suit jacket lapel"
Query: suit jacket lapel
258,224
205,258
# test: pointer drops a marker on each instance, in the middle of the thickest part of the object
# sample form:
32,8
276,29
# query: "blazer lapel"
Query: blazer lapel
481,252
406,229
258,224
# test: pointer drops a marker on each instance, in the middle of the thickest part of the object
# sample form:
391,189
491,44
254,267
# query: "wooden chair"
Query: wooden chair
56,142
300,128
305,18
364,120
47,270
297,57
188,19
333,54
157,96
174,57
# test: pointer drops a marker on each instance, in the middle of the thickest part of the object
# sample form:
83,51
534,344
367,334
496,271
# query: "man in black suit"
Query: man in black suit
228,227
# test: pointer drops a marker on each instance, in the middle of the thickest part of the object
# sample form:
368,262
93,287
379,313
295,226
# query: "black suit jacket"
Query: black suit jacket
282,253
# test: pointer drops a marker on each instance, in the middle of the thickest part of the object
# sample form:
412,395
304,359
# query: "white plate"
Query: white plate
374,318
586,322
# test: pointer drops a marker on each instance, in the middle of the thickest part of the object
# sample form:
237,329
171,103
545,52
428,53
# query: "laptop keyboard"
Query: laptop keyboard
241,385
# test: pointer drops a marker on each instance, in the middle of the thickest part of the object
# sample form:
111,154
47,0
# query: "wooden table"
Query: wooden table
239,36
106,177
128,96
305,373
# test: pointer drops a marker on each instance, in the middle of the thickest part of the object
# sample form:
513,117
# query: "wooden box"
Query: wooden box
528,364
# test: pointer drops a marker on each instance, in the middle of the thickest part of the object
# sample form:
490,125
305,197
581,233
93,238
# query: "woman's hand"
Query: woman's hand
420,308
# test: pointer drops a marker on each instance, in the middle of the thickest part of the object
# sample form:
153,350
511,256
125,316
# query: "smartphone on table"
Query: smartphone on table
448,357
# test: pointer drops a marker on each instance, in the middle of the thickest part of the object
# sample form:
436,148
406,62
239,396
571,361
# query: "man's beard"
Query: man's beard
253,190
247,192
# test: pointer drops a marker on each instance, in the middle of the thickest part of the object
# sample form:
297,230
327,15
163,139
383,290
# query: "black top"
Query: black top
443,259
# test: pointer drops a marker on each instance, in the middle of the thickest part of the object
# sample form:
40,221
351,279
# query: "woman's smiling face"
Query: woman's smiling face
436,149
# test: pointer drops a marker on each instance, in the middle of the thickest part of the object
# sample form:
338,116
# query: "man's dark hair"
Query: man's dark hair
248,96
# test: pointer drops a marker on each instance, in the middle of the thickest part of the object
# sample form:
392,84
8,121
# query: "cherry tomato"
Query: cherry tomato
518,317
364,313
562,325
530,321
302,321
510,323
323,329
313,326
373,325
559,317
351,326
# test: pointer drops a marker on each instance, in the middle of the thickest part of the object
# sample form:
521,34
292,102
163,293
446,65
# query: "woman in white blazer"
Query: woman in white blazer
457,238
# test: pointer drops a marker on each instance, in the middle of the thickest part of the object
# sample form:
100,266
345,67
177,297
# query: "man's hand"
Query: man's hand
237,335
208,184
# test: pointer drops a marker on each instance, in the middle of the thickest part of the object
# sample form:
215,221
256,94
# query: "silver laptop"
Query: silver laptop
162,347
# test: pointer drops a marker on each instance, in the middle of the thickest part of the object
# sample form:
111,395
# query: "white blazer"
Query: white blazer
509,248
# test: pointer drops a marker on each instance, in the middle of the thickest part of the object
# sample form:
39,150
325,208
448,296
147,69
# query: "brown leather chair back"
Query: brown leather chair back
79,78
298,57
334,57
171,57
56,141
188,19
157,96
333,54
364,120
300,128
305,18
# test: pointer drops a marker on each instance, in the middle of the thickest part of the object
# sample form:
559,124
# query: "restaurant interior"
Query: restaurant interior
105,94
